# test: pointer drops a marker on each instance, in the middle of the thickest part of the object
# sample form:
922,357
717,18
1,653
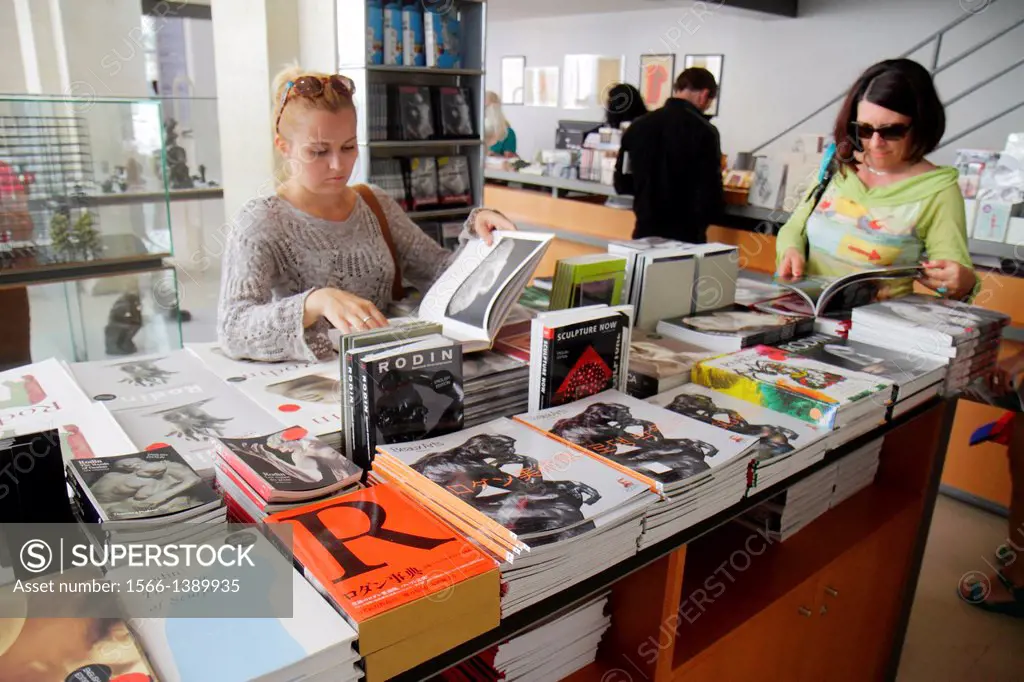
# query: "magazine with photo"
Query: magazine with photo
288,464
473,297
980,391
841,294
778,434
734,327
535,487
665,448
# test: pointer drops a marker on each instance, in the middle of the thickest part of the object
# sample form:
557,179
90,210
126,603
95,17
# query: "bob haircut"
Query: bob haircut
900,85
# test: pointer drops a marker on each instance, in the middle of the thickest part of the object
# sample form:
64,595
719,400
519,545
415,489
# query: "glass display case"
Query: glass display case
86,226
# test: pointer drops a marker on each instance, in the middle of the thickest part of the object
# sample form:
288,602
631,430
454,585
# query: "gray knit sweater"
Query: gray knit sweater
276,255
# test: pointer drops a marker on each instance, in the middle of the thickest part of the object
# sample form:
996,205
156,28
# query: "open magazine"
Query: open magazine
979,391
821,295
472,298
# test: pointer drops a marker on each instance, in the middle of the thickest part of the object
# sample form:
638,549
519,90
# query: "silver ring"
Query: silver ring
368,317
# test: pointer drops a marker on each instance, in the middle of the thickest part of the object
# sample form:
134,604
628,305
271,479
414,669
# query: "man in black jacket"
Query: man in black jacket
670,161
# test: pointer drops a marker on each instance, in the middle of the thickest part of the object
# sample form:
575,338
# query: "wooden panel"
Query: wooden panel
644,611
757,251
560,214
559,249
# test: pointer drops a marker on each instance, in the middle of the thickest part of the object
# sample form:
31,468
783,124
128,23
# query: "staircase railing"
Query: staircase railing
935,70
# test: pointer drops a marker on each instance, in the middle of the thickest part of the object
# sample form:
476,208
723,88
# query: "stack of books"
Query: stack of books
658,363
917,378
812,391
278,471
592,279
552,515
800,504
734,328
43,396
314,643
151,497
497,385
577,353
410,586
964,336
697,469
785,444
632,250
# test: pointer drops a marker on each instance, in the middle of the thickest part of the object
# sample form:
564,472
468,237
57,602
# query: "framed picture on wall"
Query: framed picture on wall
513,80
541,87
657,73
713,63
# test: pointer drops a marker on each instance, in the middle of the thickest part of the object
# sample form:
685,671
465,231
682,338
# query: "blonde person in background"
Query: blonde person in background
498,134
321,253
885,204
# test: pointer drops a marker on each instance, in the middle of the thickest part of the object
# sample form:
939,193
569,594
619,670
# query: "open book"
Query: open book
979,391
840,294
472,298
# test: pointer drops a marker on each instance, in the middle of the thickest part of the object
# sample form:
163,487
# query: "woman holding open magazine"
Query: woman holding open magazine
883,204
320,253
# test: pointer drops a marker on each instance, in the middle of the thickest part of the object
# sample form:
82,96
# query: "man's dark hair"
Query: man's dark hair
697,78
903,86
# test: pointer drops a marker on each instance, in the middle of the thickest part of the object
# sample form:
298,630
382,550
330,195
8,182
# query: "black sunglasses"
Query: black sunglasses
889,133
313,86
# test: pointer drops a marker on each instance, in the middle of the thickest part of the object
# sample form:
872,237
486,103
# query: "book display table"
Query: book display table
723,602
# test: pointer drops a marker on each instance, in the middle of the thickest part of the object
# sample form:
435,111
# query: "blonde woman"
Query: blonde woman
321,253
498,134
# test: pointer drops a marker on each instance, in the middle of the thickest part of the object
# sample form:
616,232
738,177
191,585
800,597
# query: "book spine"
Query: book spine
366,383
546,349
350,401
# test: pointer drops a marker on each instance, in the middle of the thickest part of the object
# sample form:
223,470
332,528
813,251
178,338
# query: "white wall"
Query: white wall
12,73
776,70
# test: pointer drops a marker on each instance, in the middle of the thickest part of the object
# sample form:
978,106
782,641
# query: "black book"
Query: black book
454,112
422,173
412,118
143,486
32,482
412,392
454,187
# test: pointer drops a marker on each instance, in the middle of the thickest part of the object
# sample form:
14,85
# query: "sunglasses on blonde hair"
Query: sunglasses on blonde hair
312,87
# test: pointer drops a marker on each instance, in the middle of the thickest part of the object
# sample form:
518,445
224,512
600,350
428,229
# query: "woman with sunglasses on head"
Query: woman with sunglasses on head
320,253
882,203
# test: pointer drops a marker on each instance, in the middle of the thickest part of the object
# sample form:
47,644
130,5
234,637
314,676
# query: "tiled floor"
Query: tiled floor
948,640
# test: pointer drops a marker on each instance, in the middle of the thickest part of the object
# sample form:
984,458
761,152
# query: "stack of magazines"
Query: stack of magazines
266,474
496,385
550,514
698,469
966,337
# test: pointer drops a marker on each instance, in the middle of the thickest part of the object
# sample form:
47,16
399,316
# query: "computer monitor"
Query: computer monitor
571,134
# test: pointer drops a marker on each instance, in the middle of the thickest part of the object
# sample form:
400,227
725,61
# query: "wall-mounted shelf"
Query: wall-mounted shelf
412,144
423,70
440,213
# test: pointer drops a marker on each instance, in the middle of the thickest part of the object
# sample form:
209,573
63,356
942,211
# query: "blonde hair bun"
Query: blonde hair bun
330,101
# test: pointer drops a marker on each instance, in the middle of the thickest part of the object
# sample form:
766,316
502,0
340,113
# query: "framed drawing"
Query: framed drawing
513,79
657,74
713,63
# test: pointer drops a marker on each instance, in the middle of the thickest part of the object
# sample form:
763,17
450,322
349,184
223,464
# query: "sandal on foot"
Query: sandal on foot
977,593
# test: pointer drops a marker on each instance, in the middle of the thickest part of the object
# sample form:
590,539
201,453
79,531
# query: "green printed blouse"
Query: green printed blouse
854,228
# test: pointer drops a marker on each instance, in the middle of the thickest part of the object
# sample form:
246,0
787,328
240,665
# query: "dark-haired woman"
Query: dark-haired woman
884,203
624,104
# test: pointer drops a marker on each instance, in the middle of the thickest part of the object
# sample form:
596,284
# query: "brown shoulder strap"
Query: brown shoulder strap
397,291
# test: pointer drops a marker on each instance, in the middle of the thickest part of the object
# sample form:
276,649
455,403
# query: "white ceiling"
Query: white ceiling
504,10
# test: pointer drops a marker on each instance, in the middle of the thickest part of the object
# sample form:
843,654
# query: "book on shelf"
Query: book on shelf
454,112
412,114
422,176
578,352
473,297
392,569
443,36
288,465
658,363
454,184
414,51
592,279
393,42
734,327
809,390
822,295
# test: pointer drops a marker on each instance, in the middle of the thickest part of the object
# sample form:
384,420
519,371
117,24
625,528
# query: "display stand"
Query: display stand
352,62
721,602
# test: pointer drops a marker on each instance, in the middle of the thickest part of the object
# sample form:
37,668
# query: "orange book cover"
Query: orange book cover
375,550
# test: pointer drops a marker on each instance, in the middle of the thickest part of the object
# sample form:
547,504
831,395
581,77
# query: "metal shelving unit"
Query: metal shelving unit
351,16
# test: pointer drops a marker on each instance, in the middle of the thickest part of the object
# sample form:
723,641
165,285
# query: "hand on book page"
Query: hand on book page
1004,387
488,221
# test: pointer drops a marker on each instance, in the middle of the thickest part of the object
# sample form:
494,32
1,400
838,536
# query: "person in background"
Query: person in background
881,202
624,104
670,161
1003,592
320,253
498,134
